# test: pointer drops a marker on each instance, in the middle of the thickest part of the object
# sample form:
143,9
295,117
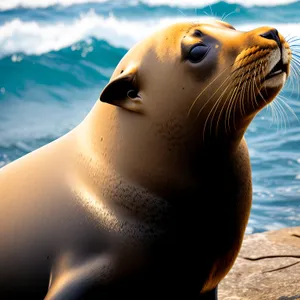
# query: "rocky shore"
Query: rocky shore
267,268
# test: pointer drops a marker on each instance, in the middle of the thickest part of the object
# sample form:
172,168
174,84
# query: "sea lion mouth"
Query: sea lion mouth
273,82
278,69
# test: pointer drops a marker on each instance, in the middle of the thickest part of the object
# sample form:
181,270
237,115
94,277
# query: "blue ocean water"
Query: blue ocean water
57,55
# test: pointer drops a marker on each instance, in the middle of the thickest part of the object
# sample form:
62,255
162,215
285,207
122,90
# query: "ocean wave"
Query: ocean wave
12,4
31,37
197,3
37,38
87,64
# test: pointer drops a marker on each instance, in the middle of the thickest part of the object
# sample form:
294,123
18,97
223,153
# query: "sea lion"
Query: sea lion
150,195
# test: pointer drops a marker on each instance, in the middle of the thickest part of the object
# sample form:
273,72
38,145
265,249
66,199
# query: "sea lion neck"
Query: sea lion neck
131,148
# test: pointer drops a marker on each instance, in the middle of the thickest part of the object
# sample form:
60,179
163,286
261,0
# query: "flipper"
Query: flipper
75,282
212,295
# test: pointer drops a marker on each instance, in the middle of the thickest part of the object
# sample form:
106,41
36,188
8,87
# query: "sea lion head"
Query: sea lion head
188,88
201,79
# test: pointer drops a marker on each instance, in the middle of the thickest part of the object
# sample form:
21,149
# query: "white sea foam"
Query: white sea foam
11,4
201,3
37,38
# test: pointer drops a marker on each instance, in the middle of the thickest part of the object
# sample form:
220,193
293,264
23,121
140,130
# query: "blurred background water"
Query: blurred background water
57,55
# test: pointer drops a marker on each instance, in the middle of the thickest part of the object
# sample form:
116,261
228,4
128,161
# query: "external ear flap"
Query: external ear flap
123,92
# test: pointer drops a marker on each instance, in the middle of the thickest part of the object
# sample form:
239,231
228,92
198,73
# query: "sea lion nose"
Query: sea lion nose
272,35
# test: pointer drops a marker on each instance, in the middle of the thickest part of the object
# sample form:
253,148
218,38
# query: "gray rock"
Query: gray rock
273,278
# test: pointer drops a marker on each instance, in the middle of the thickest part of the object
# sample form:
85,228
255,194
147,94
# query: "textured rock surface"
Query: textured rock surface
274,278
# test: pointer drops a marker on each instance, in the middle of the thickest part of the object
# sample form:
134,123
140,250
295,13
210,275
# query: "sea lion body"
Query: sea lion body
50,226
149,196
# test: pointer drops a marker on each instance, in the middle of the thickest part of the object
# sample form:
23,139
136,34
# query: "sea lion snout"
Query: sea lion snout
266,57
272,35
270,38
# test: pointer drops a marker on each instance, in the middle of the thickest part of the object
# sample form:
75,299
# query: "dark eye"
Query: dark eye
198,33
197,53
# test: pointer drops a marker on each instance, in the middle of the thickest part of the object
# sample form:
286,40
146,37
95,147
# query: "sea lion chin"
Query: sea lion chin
150,194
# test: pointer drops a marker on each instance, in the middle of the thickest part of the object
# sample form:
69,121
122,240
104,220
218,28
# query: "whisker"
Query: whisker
211,10
296,70
228,103
275,107
206,13
233,12
181,12
234,104
296,56
243,92
294,47
287,36
231,105
282,113
293,79
251,82
295,51
253,89
211,97
248,91
283,100
293,39
218,101
260,73
215,108
297,64
216,104
220,112
281,103
259,92
254,83
228,109
200,94
296,60
290,80
273,114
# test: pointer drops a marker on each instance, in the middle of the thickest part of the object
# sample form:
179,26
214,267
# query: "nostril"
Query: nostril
272,35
